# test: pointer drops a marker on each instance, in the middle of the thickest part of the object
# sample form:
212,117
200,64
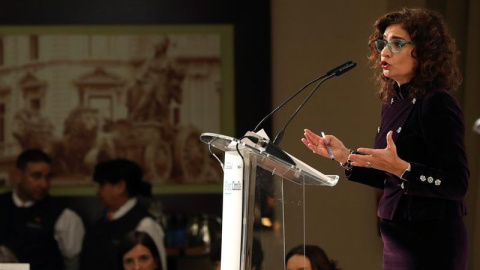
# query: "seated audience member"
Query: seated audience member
257,255
7,256
309,257
120,181
38,228
138,251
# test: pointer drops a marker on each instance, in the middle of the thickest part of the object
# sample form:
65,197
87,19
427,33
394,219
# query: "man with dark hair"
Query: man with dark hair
35,226
120,181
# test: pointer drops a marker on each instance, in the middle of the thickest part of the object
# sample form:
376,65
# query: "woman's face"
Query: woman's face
298,262
399,66
139,257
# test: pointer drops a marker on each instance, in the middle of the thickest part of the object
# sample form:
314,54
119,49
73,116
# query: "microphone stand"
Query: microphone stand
334,72
280,134
271,147
283,103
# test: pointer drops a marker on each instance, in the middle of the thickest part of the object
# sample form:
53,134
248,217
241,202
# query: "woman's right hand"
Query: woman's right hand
318,145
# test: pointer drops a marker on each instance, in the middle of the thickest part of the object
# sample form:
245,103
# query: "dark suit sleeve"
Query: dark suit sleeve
371,177
443,130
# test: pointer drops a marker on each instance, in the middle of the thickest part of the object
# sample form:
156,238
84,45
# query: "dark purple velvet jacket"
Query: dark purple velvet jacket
429,134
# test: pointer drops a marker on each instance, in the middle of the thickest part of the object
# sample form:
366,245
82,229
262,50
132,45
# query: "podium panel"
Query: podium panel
263,204
278,220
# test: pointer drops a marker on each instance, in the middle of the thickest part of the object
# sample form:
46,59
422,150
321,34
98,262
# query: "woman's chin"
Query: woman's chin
387,73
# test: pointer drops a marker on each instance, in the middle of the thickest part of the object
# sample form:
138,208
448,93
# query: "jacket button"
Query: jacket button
423,178
438,182
430,179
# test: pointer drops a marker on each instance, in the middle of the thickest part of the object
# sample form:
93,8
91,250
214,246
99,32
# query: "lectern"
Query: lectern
263,202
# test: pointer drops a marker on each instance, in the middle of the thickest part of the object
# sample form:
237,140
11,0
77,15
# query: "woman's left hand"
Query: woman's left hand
382,159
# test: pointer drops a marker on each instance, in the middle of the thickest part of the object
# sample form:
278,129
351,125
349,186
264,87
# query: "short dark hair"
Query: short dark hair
133,238
116,170
32,155
317,256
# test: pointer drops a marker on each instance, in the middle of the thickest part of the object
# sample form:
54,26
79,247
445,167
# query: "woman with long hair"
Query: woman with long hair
419,157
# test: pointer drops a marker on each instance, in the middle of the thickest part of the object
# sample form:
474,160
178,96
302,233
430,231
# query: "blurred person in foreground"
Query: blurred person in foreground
138,251
311,257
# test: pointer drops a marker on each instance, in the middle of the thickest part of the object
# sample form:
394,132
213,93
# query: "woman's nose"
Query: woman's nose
386,52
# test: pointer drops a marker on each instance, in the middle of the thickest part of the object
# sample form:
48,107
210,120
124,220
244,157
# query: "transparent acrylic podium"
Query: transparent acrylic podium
263,203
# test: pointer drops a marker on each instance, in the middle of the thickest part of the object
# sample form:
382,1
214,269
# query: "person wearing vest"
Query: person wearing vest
120,181
36,227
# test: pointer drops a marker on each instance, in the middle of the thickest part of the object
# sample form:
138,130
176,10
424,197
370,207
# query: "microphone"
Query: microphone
342,68
335,71
332,73
272,148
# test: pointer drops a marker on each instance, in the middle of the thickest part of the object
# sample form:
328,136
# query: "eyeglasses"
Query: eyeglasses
395,45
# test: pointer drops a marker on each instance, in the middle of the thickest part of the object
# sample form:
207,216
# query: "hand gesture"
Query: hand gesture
318,145
382,159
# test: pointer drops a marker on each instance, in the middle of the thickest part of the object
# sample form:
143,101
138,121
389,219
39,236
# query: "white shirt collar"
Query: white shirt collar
124,208
19,203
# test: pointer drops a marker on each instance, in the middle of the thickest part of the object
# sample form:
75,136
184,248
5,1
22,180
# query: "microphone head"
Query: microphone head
333,70
346,67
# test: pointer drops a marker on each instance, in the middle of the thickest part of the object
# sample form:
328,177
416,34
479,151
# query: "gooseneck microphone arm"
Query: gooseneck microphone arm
283,103
332,73
279,136
271,147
